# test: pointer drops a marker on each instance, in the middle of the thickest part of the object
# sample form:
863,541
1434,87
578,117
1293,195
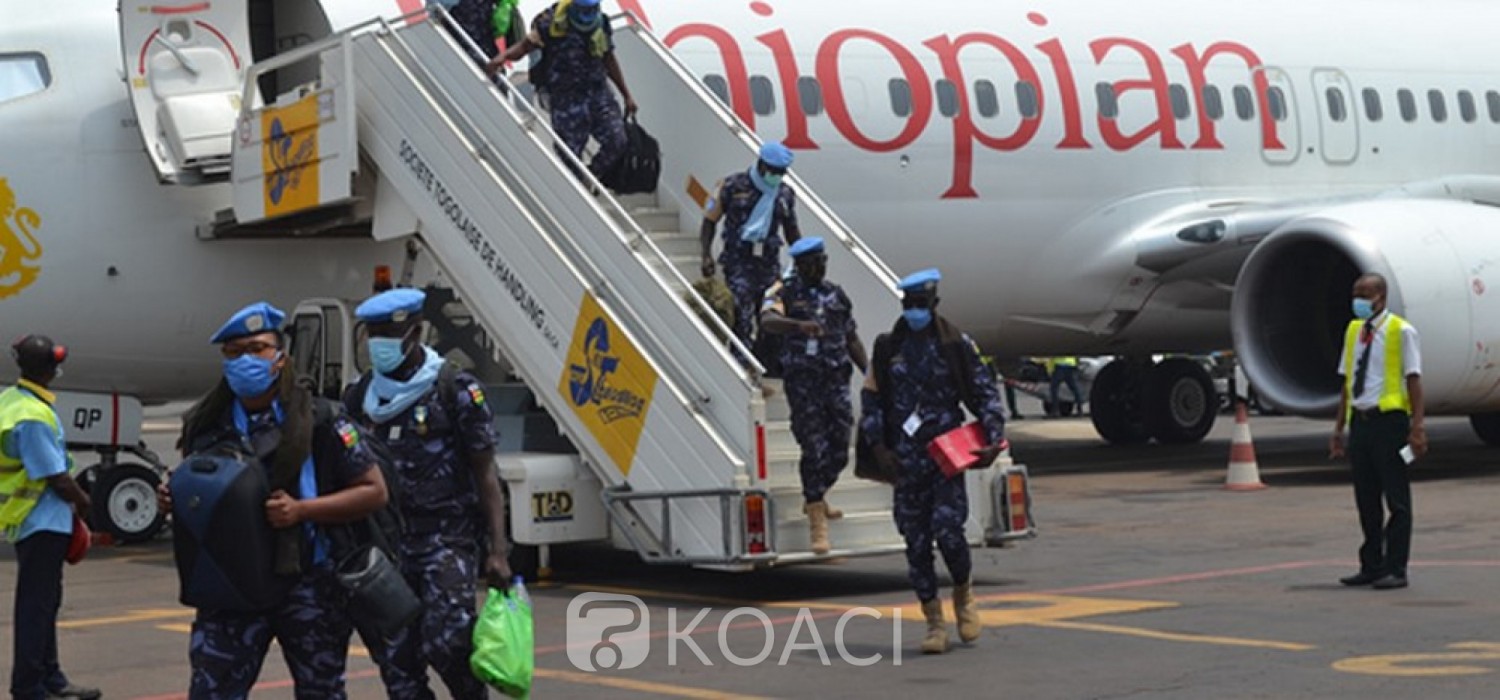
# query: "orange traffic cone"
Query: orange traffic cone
1244,472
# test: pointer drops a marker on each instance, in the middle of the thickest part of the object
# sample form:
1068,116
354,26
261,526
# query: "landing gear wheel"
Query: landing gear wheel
1487,427
1115,404
1180,401
124,498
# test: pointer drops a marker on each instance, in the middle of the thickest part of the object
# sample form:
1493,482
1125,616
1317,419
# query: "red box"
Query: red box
953,450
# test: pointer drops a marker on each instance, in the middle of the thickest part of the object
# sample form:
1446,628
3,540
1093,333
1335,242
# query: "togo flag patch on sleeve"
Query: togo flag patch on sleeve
349,434
476,394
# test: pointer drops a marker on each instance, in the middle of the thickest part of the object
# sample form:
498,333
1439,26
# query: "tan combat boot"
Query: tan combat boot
817,526
936,641
830,511
967,611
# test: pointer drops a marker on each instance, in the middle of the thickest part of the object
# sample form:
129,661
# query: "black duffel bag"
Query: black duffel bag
640,168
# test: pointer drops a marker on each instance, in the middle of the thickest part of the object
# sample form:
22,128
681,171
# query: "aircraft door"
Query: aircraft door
1338,119
1281,98
185,63
318,347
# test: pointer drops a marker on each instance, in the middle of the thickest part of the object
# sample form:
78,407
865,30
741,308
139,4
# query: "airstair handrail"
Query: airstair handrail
638,238
807,199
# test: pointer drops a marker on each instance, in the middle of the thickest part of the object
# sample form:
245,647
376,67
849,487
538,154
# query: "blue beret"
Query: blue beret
776,155
391,306
805,245
586,3
923,281
259,317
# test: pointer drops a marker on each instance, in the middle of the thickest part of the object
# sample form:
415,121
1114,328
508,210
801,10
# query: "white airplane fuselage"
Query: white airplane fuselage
1028,201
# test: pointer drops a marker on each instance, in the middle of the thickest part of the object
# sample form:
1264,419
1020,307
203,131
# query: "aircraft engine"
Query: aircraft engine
1441,259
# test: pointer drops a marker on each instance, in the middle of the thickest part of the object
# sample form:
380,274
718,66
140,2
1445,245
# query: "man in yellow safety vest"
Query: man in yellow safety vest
36,491
1383,409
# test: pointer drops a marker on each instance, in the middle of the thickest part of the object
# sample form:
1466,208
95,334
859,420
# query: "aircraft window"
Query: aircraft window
1179,97
717,85
1466,108
1278,103
986,98
1027,100
900,97
1493,99
1244,103
1109,107
762,95
810,92
22,74
1337,110
1438,105
1408,104
947,98
1213,102
1373,109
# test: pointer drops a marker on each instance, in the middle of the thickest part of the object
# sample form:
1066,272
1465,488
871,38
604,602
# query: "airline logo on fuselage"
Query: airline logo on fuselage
19,249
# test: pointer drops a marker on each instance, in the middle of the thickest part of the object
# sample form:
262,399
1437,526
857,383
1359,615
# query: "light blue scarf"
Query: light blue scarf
758,226
387,397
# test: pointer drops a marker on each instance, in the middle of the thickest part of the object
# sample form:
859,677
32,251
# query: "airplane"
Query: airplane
1127,179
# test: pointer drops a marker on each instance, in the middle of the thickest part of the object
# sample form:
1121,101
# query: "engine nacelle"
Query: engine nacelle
1441,260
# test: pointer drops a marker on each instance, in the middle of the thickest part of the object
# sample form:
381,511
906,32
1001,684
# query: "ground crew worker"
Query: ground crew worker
920,374
817,319
578,54
441,438
757,210
38,499
1064,370
1382,403
261,405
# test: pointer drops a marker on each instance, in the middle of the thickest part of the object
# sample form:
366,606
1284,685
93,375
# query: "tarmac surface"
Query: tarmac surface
1148,579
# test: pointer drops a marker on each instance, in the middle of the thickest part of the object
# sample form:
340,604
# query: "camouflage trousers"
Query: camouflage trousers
311,626
577,116
821,420
748,278
443,571
931,507
475,16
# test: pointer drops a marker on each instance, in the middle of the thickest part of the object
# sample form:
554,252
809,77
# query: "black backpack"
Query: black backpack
381,529
640,168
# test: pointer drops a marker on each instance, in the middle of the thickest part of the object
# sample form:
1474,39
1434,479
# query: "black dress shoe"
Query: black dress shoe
75,692
1390,581
1363,578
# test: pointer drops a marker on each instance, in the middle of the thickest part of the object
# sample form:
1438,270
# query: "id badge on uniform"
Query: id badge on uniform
395,433
812,347
758,248
913,423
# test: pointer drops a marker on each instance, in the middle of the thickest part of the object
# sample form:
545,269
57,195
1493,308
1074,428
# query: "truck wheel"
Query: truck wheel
124,499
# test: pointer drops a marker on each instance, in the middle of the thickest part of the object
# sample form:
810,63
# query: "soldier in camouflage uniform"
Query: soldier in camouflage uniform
757,210
261,404
821,341
922,375
440,435
476,19
578,50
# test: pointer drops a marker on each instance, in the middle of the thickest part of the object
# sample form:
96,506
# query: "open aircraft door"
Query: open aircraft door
185,62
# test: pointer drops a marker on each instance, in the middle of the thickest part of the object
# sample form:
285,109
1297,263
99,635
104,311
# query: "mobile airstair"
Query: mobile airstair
583,293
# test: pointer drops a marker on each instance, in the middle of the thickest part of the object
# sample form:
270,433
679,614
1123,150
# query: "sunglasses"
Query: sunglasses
917,302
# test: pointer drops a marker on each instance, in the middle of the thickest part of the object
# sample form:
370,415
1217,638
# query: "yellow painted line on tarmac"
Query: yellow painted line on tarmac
132,616
1436,664
672,689
177,627
1175,636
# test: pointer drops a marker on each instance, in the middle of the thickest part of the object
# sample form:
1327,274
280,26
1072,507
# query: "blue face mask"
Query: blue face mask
773,179
1363,308
917,319
386,354
250,376
583,18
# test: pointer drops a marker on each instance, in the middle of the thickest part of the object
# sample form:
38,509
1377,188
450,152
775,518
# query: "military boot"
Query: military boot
830,511
966,611
817,526
936,640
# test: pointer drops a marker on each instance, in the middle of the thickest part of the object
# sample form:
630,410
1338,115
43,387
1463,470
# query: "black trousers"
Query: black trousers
1379,474
39,564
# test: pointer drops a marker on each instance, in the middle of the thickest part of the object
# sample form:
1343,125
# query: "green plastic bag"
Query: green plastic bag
504,649
503,16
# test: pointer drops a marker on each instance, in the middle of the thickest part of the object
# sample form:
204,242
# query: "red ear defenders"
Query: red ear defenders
34,345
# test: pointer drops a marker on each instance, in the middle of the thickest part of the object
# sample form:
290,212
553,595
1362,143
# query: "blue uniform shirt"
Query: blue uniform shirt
45,455
574,68
735,201
825,303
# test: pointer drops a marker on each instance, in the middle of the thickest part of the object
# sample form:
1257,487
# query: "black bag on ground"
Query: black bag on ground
367,552
223,545
640,168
